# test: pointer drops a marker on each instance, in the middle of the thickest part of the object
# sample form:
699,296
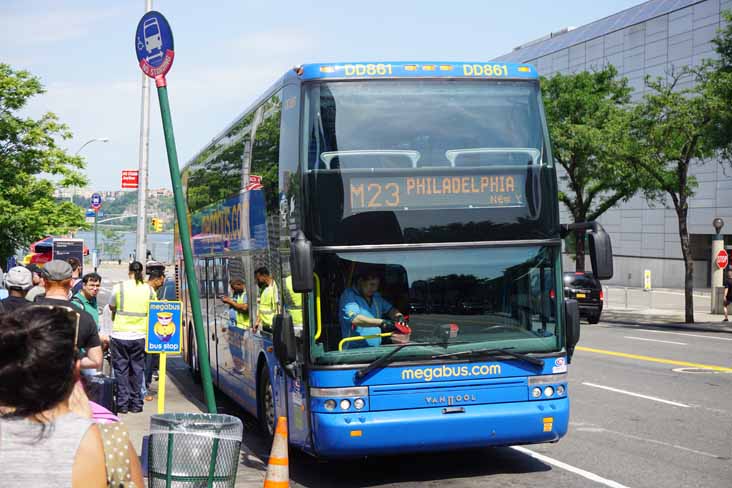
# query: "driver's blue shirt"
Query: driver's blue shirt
351,304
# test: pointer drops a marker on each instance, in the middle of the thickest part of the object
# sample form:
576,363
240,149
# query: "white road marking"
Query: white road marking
686,334
655,340
645,439
647,397
572,469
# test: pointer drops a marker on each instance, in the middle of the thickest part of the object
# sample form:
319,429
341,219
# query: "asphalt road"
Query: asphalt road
643,420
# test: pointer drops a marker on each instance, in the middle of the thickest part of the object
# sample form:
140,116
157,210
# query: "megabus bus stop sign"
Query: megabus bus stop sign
163,337
163,327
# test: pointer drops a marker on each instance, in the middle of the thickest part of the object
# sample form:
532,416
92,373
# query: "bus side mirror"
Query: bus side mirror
283,340
301,263
601,253
572,321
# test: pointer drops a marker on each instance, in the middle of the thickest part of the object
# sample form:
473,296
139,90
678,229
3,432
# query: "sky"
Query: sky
228,52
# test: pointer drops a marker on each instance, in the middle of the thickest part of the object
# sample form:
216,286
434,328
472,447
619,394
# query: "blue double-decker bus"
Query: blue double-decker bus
405,217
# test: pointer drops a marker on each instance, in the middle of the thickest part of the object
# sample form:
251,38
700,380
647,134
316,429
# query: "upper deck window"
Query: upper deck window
385,154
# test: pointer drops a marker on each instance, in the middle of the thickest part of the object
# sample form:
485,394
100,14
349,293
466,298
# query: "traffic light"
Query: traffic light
156,224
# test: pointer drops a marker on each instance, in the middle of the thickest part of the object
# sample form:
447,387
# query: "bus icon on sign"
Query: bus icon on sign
153,41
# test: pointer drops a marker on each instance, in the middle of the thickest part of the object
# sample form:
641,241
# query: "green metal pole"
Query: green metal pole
185,239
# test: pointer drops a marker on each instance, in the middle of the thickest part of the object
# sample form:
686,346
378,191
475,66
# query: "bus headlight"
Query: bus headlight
548,391
358,403
330,404
536,392
345,404
560,390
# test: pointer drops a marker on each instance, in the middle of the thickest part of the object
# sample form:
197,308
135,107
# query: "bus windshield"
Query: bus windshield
469,298
388,153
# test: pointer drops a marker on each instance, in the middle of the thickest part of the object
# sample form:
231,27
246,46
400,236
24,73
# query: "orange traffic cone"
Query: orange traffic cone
278,471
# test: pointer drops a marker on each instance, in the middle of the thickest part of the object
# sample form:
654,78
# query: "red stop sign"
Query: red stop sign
722,259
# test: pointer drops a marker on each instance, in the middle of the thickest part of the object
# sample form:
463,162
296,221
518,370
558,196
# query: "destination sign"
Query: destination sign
445,191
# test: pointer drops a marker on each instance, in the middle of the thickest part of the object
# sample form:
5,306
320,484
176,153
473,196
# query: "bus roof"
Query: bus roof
417,69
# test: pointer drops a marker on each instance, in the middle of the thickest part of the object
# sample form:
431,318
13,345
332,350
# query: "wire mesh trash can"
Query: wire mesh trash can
193,450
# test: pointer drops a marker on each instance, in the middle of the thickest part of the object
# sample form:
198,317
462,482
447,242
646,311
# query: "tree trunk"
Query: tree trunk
681,213
579,249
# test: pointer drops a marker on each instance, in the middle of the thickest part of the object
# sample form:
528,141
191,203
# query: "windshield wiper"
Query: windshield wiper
493,352
386,358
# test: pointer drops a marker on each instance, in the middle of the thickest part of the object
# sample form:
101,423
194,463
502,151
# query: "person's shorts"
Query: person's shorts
727,302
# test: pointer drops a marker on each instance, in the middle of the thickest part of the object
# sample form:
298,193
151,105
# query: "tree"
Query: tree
673,127
112,243
719,82
588,119
29,156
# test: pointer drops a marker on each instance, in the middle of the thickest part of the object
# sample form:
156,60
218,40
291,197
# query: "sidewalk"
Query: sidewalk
183,395
704,322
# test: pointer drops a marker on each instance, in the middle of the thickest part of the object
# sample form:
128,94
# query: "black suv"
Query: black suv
587,290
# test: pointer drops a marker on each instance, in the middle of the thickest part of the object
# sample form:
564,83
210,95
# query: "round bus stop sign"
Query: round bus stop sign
96,201
154,44
722,259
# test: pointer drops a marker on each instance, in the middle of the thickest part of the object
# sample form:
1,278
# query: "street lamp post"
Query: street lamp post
73,192
96,139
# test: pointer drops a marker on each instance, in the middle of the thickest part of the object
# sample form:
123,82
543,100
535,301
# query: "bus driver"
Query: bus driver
362,311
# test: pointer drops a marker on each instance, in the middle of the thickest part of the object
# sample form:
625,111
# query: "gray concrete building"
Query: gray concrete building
652,38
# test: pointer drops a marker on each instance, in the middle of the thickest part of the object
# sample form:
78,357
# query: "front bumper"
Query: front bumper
430,429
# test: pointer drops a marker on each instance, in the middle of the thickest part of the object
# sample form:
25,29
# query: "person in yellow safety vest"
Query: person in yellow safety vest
238,303
293,304
129,304
268,300
239,325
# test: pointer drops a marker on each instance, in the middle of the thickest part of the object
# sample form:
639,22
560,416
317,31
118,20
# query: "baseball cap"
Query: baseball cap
18,277
57,270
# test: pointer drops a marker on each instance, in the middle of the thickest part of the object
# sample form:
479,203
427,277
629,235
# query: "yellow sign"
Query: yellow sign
647,279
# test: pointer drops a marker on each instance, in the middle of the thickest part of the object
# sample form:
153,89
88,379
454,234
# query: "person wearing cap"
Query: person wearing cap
57,280
364,312
18,281
38,289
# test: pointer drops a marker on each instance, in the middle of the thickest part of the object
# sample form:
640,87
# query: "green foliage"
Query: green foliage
672,128
112,243
28,156
718,84
119,205
588,119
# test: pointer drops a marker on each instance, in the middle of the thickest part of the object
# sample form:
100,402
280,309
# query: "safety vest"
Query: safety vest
242,318
293,303
132,302
268,305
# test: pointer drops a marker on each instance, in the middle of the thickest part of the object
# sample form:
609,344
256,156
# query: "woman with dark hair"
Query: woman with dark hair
46,436
129,304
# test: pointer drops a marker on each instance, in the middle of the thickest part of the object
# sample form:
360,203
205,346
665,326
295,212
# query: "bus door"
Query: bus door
209,311
219,316
297,409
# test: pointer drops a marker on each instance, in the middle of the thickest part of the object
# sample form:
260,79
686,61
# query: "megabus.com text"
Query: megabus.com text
444,371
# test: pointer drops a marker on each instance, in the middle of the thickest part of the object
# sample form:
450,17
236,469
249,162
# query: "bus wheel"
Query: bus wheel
266,403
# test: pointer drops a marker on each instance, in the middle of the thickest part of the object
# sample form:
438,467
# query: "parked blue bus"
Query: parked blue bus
405,216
